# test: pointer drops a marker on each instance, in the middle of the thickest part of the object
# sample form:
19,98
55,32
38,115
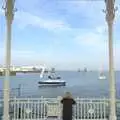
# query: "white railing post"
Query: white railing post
14,108
44,108
41,107
78,109
59,98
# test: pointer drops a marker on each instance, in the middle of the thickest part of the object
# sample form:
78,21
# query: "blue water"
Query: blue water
78,83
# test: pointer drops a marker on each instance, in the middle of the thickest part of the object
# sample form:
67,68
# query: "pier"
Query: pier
23,69
12,73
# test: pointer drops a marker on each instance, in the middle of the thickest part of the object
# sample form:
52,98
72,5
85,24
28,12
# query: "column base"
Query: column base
112,117
6,117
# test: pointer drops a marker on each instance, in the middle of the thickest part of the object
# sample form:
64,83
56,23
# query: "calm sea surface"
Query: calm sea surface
82,84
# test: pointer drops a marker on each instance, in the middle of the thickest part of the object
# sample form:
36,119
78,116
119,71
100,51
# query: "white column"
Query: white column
111,74
9,9
7,71
110,14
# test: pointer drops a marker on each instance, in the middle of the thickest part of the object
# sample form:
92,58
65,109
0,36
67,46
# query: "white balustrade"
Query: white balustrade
51,108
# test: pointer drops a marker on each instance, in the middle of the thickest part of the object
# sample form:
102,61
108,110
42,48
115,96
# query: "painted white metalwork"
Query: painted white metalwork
51,108
9,14
110,15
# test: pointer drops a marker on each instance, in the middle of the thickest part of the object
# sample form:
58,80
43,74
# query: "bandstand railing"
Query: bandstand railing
51,108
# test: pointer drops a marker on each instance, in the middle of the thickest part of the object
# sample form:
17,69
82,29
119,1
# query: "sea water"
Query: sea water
82,84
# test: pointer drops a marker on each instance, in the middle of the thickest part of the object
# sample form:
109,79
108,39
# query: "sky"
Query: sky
65,34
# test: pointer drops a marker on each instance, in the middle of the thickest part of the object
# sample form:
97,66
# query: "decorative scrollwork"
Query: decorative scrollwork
110,10
9,8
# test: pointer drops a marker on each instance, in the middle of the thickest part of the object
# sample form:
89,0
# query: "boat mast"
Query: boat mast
42,71
9,14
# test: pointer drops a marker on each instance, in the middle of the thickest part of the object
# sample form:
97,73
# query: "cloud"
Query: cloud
93,38
96,43
90,39
116,48
25,19
93,42
22,53
16,53
101,29
2,12
88,9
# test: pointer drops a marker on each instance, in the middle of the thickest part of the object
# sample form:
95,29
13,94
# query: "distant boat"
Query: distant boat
52,81
53,70
102,75
85,69
78,70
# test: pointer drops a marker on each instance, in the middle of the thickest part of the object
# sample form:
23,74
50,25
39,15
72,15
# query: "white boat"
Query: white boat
102,76
52,83
52,80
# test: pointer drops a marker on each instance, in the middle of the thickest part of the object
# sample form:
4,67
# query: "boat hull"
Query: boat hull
48,84
102,77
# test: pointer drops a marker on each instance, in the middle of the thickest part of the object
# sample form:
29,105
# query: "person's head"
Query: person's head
68,95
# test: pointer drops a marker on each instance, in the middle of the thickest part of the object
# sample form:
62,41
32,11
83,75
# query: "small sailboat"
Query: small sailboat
102,75
78,70
85,69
